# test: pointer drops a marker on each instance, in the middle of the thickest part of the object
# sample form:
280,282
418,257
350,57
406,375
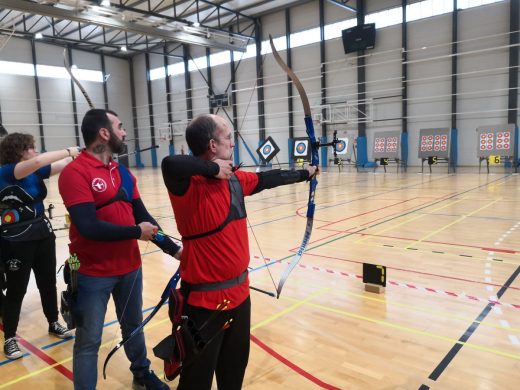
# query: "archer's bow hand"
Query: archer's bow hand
312,169
178,254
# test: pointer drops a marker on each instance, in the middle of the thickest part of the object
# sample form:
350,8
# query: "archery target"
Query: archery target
495,140
268,149
379,144
426,143
386,144
342,146
391,144
10,216
300,148
434,142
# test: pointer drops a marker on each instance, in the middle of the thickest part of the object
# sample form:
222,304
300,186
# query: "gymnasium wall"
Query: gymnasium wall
482,84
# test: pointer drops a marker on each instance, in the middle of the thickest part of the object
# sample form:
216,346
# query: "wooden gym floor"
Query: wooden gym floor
449,318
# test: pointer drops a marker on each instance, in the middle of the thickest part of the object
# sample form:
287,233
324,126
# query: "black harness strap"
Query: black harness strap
125,191
237,209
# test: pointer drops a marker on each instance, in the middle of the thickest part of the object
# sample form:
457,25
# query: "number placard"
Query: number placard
493,160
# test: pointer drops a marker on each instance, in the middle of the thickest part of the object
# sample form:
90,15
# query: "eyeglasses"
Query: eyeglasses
226,138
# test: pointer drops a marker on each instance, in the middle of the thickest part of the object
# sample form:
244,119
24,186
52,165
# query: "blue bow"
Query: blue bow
309,127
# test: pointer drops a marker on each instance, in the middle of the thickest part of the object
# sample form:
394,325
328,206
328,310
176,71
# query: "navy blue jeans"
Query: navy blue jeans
90,308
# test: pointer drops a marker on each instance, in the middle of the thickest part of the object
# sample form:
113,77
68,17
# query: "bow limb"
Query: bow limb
314,161
76,81
172,284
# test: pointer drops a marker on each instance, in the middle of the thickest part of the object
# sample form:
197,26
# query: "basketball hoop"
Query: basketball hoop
165,132
317,119
4,38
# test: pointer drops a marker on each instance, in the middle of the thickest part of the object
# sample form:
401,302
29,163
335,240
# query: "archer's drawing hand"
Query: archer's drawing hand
148,231
226,169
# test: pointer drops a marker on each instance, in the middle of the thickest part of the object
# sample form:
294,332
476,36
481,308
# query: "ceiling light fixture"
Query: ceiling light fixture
38,35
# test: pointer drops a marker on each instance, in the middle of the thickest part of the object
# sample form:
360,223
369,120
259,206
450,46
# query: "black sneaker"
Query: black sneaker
149,382
11,349
58,330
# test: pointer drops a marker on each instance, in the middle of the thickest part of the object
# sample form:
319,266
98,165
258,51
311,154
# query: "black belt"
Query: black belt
215,286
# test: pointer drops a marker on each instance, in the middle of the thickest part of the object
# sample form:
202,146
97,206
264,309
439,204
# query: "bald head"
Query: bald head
202,129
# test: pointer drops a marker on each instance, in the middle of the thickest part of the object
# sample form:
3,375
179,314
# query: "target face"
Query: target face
342,146
268,150
300,148
10,216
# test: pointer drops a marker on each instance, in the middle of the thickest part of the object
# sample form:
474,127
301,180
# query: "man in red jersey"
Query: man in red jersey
108,217
208,203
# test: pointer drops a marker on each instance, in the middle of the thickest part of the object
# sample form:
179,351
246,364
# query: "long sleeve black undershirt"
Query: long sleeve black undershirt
89,226
177,171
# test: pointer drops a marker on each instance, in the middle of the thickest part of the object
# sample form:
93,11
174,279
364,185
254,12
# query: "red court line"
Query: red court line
43,356
292,366
365,213
415,272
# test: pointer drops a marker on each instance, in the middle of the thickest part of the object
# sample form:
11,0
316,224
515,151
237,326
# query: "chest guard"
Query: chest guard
237,209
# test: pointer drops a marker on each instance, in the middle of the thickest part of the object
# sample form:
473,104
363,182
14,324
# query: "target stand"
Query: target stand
386,148
496,146
434,148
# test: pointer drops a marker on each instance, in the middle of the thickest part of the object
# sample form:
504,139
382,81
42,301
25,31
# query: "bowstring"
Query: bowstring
120,320
238,132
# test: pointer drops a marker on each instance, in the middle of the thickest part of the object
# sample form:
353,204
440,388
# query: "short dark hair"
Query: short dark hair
13,145
94,120
199,132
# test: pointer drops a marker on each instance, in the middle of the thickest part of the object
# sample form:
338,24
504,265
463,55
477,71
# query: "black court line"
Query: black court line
465,337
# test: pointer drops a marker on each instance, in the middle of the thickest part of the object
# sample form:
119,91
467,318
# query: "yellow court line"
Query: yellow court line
451,224
111,342
432,312
290,308
413,330
41,370
409,220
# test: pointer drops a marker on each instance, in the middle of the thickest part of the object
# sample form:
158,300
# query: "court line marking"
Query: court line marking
401,284
408,329
452,223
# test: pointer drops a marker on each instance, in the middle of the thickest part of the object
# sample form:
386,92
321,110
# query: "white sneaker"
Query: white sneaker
11,349
58,330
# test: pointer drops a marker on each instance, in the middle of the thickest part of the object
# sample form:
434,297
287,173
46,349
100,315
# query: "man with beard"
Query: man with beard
107,218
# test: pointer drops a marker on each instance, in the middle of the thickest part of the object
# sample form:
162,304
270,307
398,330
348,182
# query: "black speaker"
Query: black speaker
359,38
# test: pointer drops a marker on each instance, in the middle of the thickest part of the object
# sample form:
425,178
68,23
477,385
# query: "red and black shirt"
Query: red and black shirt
88,180
201,203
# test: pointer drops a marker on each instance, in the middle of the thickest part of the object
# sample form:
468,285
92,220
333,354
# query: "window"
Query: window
420,10
19,68
24,69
